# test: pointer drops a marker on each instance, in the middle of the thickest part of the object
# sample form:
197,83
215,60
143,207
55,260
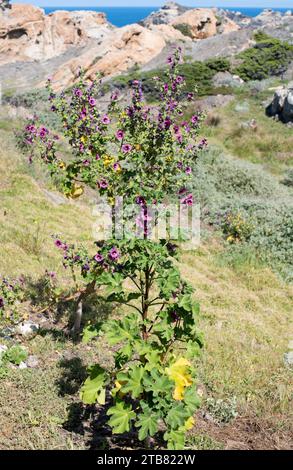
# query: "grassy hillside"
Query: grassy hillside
246,313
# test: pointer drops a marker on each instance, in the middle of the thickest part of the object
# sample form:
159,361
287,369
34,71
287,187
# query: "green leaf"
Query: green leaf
158,383
148,424
175,440
92,389
134,381
121,416
192,400
177,415
122,330
90,332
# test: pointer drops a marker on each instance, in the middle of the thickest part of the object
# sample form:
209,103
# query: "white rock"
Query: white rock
27,329
288,359
22,365
3,349
32,362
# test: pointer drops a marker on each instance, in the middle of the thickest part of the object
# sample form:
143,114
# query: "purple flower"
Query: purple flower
194,119
105,119
176,129
99,258
76,258
114,96
51,274
114,254
120,134
182,191
188,170
126,148
116,166
167,123
190,96
83,114
86,267
58,243
103,184
86,162
140,200
188,200
81,148
170,60
180,79
98,157
166,87
92,101
43,132
180,165
136,83
78,93
203,143
179,138
130,111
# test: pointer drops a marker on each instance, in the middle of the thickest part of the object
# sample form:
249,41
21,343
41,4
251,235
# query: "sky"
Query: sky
151,3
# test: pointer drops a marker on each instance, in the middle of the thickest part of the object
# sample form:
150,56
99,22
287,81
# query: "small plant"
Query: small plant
184,29
11,295
15,355
269,57
236,228
223,411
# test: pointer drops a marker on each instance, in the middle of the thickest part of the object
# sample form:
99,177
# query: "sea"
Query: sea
122,16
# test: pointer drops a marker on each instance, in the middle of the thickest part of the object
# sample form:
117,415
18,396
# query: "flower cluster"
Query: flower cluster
136,151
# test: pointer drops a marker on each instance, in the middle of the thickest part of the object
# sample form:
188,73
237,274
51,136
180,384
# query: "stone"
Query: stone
3,349
288,359
226,79
27,329
26,33
7,332
32,362
22,365
281,106
242,107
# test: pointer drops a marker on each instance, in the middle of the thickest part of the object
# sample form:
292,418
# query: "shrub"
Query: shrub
185,29
144,155
267,58
198,75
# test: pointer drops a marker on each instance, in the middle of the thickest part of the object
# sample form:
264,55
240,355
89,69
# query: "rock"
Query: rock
32,362
201,23
22,365
128,46
242,107
27,329
282,104
3,349
226,79
26,33
7,332
288,359
165,15
213,102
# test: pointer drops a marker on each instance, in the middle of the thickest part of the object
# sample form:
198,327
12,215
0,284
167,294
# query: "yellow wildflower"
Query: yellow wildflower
182,378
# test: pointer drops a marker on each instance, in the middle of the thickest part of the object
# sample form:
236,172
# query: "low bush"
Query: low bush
269,57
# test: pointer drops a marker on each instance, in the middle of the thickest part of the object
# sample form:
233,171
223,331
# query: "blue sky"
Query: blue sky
146,3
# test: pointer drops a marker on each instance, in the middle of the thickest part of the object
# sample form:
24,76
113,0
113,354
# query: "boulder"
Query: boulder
281,106
226,79
26,33
127,47
164,15
201,22
27,329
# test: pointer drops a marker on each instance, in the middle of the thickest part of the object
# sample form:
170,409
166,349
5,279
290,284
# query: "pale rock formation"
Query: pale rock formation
26,33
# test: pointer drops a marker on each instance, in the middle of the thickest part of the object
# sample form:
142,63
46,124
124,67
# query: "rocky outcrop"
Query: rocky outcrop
128,46
26,33
165,15
282,105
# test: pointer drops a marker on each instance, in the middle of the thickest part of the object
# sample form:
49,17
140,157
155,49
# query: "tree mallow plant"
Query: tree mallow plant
145,155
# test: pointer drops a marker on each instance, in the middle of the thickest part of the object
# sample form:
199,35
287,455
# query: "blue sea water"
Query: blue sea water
121,16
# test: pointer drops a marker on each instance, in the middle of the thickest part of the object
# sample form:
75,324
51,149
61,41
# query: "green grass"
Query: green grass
246,318
270,144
